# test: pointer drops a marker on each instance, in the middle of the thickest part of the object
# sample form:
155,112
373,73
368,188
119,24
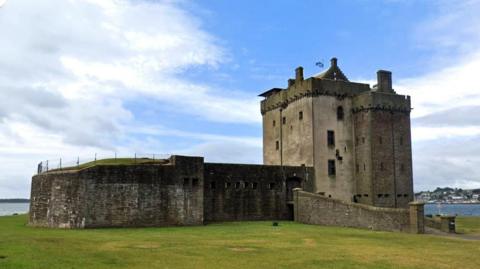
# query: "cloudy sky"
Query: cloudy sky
104,76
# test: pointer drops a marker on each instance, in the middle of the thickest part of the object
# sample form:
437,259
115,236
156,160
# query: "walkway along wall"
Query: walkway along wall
310,208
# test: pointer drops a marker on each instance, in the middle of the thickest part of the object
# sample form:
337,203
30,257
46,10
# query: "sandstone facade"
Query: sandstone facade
357,138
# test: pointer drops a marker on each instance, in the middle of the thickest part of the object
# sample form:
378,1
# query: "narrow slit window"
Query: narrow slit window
277,145
254,185
212,185
300,115
331,167
284,120
340,113
274,123
381,166
330,138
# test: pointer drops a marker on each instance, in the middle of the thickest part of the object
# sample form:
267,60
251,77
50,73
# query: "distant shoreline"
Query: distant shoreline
14,200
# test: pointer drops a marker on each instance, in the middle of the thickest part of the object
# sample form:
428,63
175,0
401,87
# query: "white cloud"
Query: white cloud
68,68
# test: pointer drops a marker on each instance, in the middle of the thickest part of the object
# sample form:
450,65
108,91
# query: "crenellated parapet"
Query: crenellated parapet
312,87
381,101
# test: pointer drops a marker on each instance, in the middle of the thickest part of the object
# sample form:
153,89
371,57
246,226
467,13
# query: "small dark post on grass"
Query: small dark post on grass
95,160
275,224
78,161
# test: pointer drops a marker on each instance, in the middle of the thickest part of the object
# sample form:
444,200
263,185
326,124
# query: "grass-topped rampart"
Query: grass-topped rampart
112,161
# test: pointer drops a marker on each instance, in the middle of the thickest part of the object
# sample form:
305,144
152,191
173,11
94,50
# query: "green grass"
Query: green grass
468,225
113,161
228,245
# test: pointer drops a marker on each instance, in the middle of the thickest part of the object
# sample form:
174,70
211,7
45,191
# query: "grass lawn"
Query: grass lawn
468,225
113,161
228,245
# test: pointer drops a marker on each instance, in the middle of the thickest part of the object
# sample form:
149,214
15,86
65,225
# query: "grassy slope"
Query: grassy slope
117,161
468,225
230,245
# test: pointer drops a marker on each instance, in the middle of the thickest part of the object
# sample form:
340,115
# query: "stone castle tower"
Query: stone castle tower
357,138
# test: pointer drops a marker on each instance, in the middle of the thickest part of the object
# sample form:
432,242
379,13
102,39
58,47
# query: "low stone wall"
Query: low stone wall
442,223
313,208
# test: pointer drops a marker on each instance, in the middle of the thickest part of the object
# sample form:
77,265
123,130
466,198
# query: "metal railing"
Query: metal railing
61,163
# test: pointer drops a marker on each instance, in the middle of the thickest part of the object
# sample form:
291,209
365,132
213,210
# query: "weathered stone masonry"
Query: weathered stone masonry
356,137
184,191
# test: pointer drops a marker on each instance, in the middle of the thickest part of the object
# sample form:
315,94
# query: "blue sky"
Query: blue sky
85,76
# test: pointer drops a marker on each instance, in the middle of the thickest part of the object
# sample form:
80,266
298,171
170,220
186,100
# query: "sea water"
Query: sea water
8,209
453,209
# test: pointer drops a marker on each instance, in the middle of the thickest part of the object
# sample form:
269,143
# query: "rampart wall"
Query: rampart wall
120,195
317,209
182,191
252,192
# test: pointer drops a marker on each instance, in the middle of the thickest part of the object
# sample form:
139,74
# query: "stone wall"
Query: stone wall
182,191
442,223
317,209
120,195
252,192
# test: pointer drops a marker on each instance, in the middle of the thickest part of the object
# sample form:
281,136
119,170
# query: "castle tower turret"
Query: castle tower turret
356,137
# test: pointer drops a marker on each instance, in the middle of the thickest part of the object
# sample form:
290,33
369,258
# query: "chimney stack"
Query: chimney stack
384,81
291,82
299,74
333,62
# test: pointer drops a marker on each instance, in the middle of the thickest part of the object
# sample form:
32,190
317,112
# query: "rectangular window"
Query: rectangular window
186,182
227,185
284,120
330,138
277,145
271,186
331,167
194,182
212,185
300,115
273,123
254,185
